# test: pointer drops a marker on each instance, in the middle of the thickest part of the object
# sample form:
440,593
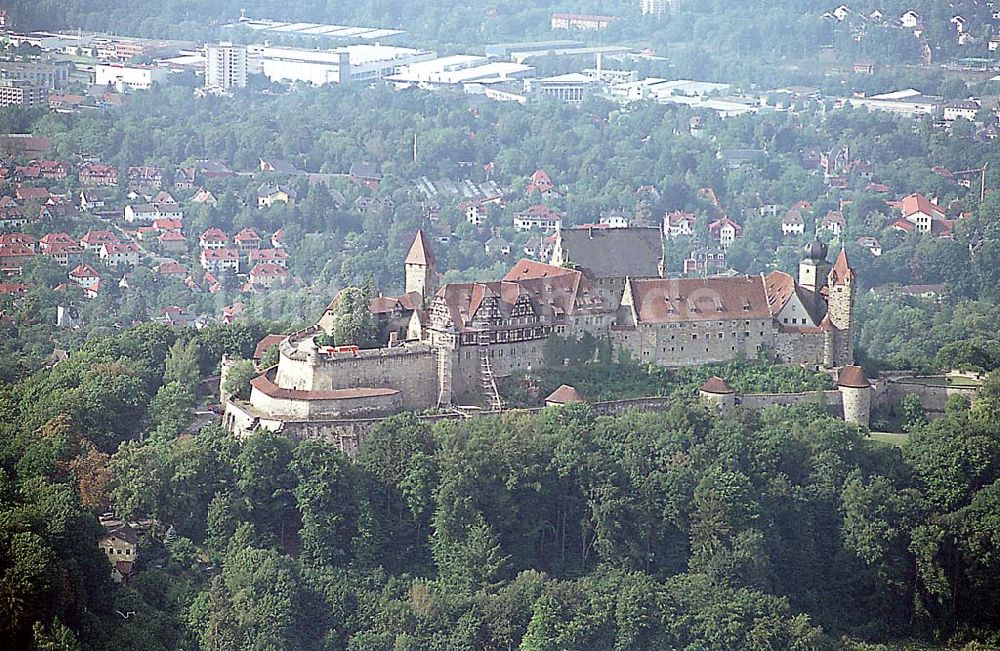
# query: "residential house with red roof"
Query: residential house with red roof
278,238
13,256
122,253
164,224
64,253
52,170
86,277
98,174
18,238
540,182
213,238
219,261
267,276
475,212
678,223
725,230
277,257
171,269
920,214
538,217
247,240
172,241
94,240
24,193
50,239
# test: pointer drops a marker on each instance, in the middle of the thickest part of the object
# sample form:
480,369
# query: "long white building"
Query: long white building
337,66
129,77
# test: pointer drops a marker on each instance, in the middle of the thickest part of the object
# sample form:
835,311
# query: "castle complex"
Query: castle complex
447,346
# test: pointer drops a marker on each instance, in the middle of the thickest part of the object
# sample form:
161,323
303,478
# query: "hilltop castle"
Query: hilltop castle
448,345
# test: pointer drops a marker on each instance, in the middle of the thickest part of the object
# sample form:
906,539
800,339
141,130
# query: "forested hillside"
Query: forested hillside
558,530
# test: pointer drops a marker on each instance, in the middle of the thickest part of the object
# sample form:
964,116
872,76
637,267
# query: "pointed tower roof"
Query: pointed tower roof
564,395
420,252
841,273
717,386
853,377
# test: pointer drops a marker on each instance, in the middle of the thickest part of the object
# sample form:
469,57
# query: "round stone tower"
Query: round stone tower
856,392
718,394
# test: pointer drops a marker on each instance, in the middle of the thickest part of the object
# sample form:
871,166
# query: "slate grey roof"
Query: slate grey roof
614,252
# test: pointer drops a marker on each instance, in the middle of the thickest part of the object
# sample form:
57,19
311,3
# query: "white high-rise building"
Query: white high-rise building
654,7
225,66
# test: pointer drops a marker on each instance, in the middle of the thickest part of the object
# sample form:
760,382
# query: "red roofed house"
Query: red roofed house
17,238
269,256
50,239
64,253
171,269
98,174
834,222
278,239
541,183
31,194
679,223
213,238
52,170
247,240
13,256
725,230
919,213
268,275
220,260
172,242
94,240
114,255
87,277
163,224
265,344
538,217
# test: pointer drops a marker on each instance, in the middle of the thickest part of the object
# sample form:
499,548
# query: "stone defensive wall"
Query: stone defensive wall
409,370
932,396
834,399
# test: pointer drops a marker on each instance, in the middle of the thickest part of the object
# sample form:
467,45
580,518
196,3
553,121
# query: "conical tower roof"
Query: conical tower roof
564,395
841,273
716,385
420,252
853,377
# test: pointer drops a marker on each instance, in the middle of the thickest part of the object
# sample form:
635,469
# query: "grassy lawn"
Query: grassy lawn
890,438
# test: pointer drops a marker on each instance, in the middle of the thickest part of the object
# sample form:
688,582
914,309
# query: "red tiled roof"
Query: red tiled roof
841,273
265,269
15,250
853,377
918,203
716,385
247,235
699,299
266,344
564,395
98,237
84,271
